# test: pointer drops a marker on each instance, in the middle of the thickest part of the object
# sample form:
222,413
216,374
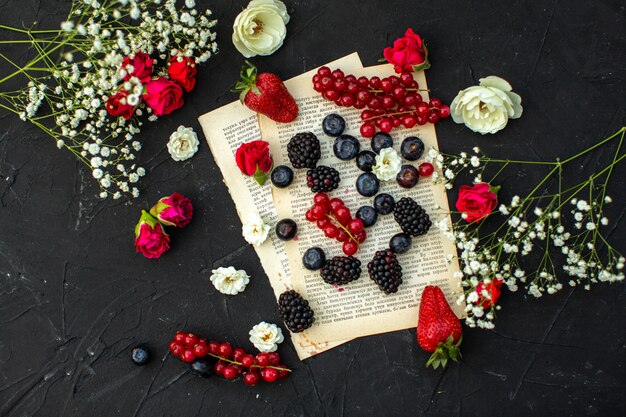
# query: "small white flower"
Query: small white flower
266,337
388,164
486,108
260,28
229,280
475,161
255,230
183,143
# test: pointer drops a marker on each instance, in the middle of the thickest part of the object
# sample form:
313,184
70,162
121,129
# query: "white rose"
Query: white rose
183,143
260,28
229,280
266,337
255,230
388,164
486,108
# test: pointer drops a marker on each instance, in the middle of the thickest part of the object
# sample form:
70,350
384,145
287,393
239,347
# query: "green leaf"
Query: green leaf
259,176
494,189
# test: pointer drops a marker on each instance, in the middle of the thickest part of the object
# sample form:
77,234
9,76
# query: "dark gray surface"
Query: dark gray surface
74,296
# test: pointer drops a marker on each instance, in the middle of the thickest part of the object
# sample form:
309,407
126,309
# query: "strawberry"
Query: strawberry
438,328
266,93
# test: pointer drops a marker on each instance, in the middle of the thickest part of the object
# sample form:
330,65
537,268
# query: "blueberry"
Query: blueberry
381,140
201,367
140,355
408,176
282,176
368,215
365,160
400,243
412,148
367,184
333,125
314,258
346,147
286,229
384,203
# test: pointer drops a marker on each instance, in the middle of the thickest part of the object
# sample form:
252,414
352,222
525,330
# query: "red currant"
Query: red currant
247,360
426,169
409,121
262,359
309,215
238,354
388,102
366,114
342,236
337,74
435,102
319,211
237,368
363,95
335,203
374,103
176,348
282,374
225,350
351,78
321,198
180,337
326,82
187,356
331,95
398,92
367,130
200,350
409,100
375,82
422,109
316,78
350,248
359,105
363,82
347,100
434,116
251,378
274,358
322,223
355,225
190,340
395,121
318,87
331,231
340,84
422,120
386,85
444,111
218,368
214,347
324,71
229,372
361,236
269,374
386,125
406,78
342,214
353,88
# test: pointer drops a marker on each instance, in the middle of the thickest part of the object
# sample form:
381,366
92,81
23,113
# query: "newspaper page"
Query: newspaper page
360,308
225,129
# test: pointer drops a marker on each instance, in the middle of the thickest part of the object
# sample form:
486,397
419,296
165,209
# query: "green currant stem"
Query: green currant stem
330,216
253,366
389,114
408,89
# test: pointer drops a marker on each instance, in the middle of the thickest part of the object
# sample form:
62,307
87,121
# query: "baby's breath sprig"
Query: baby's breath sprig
76,68
557,224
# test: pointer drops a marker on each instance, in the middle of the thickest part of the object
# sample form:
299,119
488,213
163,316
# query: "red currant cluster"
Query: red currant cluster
334,218
230,362
390,102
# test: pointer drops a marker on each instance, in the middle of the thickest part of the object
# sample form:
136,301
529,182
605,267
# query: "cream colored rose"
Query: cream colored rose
183,143
266,337
255,230
229,280
388,164
260,28
486,108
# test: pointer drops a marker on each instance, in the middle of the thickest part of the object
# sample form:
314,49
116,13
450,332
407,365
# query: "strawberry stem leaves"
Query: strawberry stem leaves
247,82
445,350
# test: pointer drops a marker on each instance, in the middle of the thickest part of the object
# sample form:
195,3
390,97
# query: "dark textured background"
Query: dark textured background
74,296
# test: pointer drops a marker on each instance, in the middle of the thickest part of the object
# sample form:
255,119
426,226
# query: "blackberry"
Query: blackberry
304,150
411,217
295,311
322,179
341,270
385,271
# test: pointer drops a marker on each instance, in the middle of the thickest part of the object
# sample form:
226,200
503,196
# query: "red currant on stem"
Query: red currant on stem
274,358
229,372
187,356
180,337
324,71
269,374
444,110
200,350
367,130
218,368
247,360
190,339
238,353
214,347
176,348
251,378
262,359
225,350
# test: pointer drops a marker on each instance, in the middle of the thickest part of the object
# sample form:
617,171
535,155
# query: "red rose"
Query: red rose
174,210
408,53
117,105
141,67
163,96
150,239
493,293
477,201
183,71
254,159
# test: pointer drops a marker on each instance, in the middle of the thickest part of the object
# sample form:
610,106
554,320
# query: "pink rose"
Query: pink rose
141,67
117,105
174,210
183,71
163,96
477,201
408,53
150,239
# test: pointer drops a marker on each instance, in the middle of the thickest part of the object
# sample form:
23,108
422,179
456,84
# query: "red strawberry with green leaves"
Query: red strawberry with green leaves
266,93
438,328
